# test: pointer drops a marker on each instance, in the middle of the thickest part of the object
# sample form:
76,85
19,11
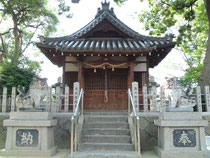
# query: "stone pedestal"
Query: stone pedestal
181,134
179,109
29,134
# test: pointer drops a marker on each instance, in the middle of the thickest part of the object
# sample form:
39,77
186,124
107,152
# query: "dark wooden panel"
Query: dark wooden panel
96,87
141,78
70,78
116,80
95,100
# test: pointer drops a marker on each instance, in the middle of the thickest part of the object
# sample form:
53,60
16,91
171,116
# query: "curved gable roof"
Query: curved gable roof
108,14
84,41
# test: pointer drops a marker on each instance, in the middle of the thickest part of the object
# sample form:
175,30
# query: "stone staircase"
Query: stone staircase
106,134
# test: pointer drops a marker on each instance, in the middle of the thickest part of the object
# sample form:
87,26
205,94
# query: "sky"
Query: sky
85,11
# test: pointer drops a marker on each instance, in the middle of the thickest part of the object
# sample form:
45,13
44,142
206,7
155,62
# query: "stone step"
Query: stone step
106,146
105,139
116,125
105,112
105,131
106,154
106,118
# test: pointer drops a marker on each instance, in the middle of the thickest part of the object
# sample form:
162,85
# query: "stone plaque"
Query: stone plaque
27,137
184,138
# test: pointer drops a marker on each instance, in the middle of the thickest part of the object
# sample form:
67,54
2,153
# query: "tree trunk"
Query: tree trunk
205,74
16,34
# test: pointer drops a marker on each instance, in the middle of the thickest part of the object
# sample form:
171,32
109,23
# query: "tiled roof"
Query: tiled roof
118,44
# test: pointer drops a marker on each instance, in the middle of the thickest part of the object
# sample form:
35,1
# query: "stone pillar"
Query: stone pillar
181,134
135,93
29,134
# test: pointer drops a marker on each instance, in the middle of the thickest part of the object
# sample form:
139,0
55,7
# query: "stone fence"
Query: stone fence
60,100
173,99
56,100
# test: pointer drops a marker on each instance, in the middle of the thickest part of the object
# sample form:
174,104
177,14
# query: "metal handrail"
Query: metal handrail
136,123
132,102
78,103
74,121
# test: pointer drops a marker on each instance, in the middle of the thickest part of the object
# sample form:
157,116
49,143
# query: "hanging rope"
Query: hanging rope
105,64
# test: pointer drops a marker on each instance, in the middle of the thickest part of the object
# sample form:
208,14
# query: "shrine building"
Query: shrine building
105,57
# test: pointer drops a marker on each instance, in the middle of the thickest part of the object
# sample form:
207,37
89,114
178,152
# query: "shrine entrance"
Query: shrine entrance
106,89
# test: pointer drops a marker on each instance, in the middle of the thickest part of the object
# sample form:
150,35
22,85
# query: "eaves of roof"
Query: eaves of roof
102,44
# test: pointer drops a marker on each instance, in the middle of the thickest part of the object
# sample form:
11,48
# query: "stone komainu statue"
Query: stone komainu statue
176,95
34,97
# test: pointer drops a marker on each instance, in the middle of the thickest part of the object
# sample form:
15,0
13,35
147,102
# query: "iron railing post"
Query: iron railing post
75,135
74,120
72,137
129,104
136,125
138,136
134,132
82,109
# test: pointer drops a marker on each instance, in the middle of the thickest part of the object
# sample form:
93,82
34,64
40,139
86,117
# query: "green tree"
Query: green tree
12,77
191,20
20,21
205,77
23,18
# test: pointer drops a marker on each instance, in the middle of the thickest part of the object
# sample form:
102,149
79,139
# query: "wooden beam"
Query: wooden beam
139,62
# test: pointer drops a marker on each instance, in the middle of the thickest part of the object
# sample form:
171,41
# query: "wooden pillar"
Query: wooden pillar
64,73
147,60
81,75
131,74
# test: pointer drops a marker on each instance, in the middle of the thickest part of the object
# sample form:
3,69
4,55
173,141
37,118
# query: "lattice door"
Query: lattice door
106,89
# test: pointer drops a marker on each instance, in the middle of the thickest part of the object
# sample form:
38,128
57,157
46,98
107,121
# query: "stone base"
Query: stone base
179,109
181,134
179,153
30,134
34,153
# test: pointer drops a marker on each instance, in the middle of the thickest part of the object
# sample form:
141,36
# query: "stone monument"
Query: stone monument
181,134
29,131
